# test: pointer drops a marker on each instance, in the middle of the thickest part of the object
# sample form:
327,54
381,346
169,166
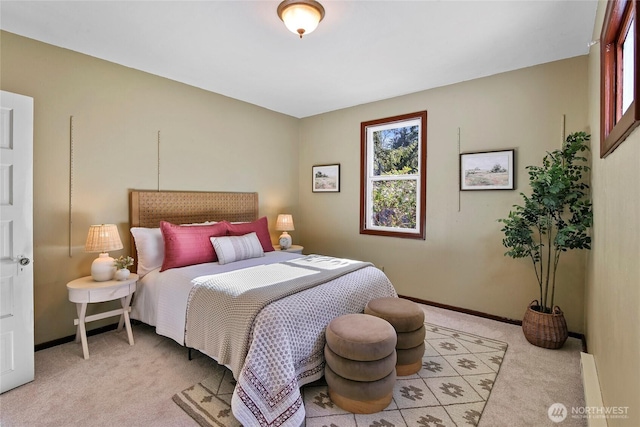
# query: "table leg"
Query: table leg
78,331
125,314
120,322
82,331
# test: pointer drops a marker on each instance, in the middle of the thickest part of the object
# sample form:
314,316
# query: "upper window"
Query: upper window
393,164
620,113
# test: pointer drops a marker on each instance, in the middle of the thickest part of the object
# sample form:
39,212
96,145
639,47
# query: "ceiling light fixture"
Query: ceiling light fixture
301,16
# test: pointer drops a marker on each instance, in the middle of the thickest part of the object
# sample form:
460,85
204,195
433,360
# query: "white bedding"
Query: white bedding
287,344
223,311
161,298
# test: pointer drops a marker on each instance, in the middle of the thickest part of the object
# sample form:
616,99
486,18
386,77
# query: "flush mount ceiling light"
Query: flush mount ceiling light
301,16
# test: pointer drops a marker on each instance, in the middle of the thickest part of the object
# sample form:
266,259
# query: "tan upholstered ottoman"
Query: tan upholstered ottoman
407,318
360,357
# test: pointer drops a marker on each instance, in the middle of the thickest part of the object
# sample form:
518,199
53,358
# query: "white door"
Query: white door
16,240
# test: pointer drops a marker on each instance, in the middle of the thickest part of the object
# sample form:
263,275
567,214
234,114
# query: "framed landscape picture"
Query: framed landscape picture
488,170
326,178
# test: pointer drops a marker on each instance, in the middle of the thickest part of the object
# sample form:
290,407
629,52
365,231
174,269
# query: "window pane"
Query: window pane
619,111
394,204
628,68
396,151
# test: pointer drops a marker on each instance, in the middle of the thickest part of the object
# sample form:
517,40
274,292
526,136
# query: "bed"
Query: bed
262,316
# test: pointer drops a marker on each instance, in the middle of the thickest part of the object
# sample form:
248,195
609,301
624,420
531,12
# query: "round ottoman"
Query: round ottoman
360,357
407,318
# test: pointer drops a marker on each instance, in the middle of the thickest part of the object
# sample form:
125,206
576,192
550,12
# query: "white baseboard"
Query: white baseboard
592,394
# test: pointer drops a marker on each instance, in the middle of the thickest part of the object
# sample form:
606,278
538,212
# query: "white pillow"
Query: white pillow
236,248
150,248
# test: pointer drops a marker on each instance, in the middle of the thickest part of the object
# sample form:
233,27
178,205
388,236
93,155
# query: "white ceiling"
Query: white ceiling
362,51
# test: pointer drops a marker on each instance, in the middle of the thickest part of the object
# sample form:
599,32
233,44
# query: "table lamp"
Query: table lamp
103,238
284,224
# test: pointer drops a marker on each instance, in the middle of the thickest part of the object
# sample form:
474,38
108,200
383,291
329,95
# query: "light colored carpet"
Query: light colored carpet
133,385
451,389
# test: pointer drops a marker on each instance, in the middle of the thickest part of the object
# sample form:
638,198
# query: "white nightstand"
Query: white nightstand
296,249
85,290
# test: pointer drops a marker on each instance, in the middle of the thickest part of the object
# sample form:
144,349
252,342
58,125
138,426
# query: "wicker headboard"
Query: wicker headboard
148,208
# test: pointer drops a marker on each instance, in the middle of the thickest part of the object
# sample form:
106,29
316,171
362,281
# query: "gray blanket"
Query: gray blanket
222,310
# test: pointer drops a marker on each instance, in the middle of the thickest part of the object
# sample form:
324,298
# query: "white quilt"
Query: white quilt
161,298
222,310
287,344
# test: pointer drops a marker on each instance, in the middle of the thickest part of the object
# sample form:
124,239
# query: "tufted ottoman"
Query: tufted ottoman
407,318
360,357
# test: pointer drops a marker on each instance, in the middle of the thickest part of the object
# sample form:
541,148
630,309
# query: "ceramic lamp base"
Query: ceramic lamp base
102,268
285,241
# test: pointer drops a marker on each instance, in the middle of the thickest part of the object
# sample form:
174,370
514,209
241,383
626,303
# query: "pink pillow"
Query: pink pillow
260,227
189,245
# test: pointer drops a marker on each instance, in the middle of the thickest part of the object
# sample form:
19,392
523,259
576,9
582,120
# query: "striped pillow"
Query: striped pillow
236,248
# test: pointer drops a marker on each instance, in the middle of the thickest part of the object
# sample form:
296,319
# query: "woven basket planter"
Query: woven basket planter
546,330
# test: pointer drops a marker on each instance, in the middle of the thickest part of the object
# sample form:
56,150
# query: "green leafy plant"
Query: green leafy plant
123,262
396,153
555,218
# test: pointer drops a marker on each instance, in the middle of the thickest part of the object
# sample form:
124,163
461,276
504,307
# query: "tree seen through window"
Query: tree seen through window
394,176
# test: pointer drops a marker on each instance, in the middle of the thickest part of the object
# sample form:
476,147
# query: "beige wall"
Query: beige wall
612,306
461,262
208,142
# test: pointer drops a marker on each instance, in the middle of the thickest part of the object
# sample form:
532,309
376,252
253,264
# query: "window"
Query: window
620,113
393,163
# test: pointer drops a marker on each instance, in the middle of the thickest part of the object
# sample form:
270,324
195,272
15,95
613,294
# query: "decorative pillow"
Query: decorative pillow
236,248
260,227
201,223
189,245
150,248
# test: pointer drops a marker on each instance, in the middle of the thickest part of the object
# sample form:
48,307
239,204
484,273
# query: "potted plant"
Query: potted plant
121,263
556,217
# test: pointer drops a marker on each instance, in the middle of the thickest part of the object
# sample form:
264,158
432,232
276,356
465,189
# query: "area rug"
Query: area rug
452,388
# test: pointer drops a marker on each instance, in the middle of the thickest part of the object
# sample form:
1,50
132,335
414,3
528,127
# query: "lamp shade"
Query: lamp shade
301,16
103,238
284,223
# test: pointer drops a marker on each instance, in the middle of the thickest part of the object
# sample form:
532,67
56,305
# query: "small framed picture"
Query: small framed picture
326,178
487,170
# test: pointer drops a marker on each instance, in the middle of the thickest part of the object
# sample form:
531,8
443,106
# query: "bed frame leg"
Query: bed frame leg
190,356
